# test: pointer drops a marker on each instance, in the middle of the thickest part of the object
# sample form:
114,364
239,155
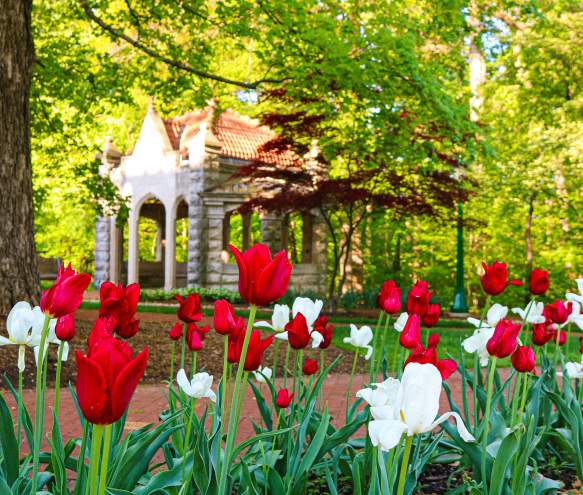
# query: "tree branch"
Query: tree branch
168,61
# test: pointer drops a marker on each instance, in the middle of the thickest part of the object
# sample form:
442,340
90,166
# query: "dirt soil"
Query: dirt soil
153,334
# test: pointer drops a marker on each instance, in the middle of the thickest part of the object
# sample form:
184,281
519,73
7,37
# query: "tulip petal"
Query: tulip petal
273,280
461,427
91,388
263,324
419,396
386,433
5,341
243,274
183,382
125,384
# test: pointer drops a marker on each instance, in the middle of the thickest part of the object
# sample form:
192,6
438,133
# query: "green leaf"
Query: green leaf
8,444
498,478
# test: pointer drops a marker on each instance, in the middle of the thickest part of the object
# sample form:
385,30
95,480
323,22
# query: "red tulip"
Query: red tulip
283,398
523,359
66,294
195,335
432,315
562,337
65,327
495,278
262,280
107,378
175,332
542,333
389,298
504,340
224,317
558,312
418,298
255,350
235,337
322,326
411,334
310,367
121,305
189,310
539,282
427,355
298,332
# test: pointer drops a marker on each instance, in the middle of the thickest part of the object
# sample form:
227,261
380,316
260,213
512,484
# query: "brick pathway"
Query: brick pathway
150,400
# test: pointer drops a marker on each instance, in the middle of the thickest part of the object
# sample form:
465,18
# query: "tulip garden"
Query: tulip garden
518,414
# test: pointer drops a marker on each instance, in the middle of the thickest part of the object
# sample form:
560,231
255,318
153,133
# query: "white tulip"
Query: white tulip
263,374
574,370
575,316
199,387
533,313
19,325
410,408
279,318
401,322
38,321
576,297
477,343
361,338
310,309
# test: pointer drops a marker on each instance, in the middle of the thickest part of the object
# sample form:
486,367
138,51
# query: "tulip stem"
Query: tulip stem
185,445
193,362
375,345
172,352
183,349
286,365
19,419
58,380
81,459
526,379
404,465
223,395
394,359
39,409
349,388
383,345
104,459
515,398
233,417
486,420
568,339
96,438
275,353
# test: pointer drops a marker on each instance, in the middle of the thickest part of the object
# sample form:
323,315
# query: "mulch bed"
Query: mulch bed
153,334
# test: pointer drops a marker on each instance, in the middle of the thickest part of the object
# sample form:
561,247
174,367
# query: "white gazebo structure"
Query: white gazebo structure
182,167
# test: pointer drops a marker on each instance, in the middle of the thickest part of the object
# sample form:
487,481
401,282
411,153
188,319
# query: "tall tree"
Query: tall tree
18,261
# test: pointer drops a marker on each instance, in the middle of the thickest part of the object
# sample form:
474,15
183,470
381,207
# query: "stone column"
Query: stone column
195,229
159,239
133,252
271,230
214,249
170,250
115,254
102,251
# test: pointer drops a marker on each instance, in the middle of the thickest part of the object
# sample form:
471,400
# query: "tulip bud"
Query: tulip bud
495,278
389,298
175,332
298,332
189,310
504,340
558,312
539,282
223,318
262,279
523,359
310,367
411,334
418,298
66,293
431,317
283,398
65,327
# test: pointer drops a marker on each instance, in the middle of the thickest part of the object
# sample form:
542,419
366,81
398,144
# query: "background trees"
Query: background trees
379,92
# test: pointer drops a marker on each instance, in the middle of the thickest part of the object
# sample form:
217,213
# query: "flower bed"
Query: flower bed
508,433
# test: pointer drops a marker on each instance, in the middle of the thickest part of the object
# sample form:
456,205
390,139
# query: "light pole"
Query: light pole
460,304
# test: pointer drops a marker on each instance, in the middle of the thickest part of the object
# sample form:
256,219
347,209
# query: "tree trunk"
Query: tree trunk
18,261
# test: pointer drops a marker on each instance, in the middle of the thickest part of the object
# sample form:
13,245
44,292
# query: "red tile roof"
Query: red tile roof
239,137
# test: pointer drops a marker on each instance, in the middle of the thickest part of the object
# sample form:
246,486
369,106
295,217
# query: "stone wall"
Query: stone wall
101,250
